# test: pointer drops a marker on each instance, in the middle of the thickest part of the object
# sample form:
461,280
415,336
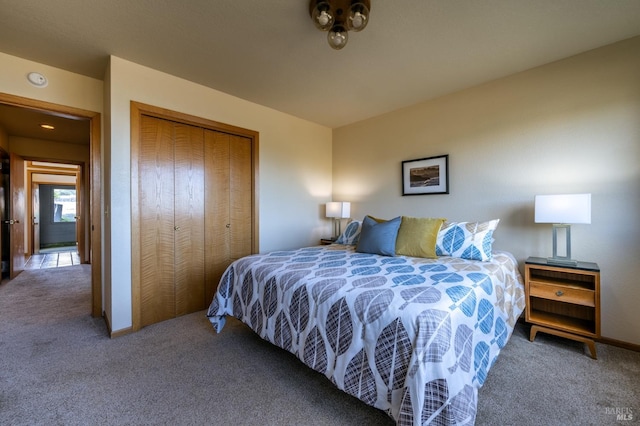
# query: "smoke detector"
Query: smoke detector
37,79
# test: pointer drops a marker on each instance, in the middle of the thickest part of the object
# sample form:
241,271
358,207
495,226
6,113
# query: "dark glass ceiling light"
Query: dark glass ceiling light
338,17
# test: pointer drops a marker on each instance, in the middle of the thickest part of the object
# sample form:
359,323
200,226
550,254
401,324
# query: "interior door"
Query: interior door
35,214
80,223
16,215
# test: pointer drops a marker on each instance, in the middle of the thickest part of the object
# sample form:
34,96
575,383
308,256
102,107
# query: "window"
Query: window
64,205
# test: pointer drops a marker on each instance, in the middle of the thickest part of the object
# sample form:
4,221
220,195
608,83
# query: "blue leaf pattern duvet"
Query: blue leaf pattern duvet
411,336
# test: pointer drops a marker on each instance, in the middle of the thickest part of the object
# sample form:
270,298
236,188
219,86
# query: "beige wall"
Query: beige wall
43,149
64,88
572,126
295,157
30,148
294,165
105,181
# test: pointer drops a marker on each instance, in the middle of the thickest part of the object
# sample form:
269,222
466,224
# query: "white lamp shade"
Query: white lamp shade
338,209
563,208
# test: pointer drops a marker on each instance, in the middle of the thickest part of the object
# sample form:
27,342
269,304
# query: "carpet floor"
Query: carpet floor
59,367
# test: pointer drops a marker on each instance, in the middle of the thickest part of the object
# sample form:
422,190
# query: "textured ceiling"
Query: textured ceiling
269,52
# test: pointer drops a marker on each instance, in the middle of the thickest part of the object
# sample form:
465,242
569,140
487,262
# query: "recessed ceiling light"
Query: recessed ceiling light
47,126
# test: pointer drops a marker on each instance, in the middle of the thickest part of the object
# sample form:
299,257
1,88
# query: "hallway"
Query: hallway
67,256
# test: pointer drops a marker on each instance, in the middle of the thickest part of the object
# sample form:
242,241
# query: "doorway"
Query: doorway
54,235
57,217
54,193
91,178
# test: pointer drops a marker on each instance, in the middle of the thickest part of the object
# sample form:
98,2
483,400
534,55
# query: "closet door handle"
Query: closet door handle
228,225
176,228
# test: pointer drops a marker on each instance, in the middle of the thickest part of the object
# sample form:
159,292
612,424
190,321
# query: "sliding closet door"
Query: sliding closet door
189,219
156,198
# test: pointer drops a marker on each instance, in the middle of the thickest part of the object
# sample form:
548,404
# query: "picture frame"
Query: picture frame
425,176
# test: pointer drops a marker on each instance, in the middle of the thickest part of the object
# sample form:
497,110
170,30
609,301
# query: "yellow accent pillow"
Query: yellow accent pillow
377,219
417,236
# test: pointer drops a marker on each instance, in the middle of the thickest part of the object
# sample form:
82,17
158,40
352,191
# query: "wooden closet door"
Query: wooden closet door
240,196
156,199
189,219
217,223
228,203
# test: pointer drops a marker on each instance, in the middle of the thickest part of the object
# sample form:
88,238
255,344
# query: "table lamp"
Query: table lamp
338,210
562,211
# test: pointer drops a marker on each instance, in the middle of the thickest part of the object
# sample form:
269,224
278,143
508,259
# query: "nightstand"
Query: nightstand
327,241
563,300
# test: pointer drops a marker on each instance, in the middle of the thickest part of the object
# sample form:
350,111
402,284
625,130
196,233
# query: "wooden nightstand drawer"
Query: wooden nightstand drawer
562,293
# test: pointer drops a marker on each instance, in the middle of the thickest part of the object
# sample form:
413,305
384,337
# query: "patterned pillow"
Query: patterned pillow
351,233
378,238
467,240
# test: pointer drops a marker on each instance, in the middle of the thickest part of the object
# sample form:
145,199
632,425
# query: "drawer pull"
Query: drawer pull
559,293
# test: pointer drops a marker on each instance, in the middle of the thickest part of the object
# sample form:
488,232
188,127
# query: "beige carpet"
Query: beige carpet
58,367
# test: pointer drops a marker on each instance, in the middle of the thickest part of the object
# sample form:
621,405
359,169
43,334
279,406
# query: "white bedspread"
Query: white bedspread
414,337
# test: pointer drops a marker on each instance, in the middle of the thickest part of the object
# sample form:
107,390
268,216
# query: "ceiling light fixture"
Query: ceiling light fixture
339,17
47,126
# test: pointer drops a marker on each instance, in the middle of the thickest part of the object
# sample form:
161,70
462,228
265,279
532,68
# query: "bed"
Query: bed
412,336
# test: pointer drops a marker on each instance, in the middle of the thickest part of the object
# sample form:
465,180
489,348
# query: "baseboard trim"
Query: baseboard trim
118,333
619,343
106,321
121,332
604,340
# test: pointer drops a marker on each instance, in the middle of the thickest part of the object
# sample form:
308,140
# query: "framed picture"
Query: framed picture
426,176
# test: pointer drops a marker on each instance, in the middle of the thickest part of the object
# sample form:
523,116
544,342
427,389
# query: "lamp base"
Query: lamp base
555,258
337,228
562,261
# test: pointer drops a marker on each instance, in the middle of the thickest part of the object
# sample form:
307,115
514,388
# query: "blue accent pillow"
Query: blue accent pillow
379,238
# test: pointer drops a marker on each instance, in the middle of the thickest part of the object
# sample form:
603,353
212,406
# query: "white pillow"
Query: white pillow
467,240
